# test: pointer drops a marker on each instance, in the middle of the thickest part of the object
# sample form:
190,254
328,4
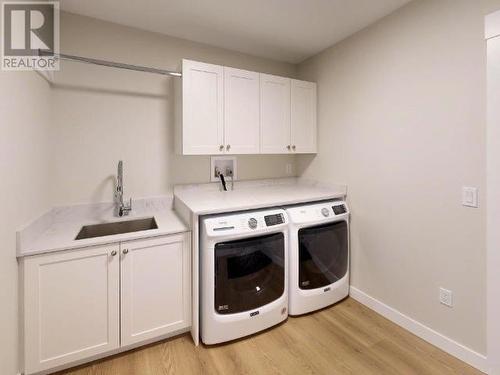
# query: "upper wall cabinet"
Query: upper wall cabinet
274,114
241,111
202,108
223,110
303,117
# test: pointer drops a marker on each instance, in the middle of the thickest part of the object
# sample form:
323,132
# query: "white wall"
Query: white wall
493,188
24,187
402,123
102,115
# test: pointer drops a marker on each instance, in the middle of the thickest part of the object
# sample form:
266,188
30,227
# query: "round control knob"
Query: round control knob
252,223
325,212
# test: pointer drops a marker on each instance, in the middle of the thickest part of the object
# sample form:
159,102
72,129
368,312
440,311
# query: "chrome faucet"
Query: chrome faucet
121,208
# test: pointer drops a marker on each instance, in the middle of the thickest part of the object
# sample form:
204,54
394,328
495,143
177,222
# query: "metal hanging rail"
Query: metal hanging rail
109,64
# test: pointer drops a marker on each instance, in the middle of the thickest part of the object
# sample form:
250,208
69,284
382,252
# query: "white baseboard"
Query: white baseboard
444,343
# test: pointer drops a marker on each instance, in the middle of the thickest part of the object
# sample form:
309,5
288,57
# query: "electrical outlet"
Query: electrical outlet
446,297
289,169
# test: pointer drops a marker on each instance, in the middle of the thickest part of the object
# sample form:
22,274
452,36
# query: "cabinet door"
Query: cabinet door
303,117
202,108
155,287
241,111
274,114
71,306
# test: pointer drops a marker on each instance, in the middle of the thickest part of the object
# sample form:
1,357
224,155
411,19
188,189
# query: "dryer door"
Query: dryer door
323,254
249,273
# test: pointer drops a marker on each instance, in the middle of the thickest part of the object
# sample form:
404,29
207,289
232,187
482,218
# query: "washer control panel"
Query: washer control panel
339,209
244,222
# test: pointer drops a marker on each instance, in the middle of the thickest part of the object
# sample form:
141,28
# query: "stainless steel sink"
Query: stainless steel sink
118,227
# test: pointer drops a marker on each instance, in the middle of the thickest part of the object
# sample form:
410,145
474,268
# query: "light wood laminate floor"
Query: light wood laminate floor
347,338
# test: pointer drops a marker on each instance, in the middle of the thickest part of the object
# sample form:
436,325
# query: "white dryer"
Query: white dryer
319,255
244,273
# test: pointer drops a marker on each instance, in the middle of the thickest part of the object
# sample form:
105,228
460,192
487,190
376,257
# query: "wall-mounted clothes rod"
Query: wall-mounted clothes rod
109,64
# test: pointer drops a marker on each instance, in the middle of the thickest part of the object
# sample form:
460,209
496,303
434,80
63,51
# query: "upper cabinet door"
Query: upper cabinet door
71,306
202,108
241,111
303,117
274,114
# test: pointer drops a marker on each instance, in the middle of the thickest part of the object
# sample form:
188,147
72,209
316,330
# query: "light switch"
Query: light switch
469,196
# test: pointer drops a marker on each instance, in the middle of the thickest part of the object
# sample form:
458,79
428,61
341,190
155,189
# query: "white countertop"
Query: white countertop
207,199
57,229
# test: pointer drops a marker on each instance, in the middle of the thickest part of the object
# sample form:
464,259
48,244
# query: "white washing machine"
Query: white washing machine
319,255
244,273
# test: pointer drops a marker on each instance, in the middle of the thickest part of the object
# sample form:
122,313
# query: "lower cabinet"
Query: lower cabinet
155,287
71,299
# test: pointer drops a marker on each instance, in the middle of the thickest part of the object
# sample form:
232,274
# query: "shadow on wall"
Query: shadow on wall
303,163
103,91
102,189
181,169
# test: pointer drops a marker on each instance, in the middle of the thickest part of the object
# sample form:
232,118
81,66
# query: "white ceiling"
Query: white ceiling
285,30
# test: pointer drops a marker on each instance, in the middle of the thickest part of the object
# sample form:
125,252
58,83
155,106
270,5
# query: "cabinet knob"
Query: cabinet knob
293,147
113,253
125,251
228,147
221,147
288,147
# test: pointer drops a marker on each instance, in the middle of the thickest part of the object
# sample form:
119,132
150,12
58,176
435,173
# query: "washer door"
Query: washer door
323,254
249,273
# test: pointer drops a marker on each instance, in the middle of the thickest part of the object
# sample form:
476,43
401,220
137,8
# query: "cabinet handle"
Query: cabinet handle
293,147
125,251
221,147
113,253
288,147
228,147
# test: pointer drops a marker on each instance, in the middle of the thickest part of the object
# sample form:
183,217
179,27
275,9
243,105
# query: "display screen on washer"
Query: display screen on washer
323,254
274,219
340,209
249,273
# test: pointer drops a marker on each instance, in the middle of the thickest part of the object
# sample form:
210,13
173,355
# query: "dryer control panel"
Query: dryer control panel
318,212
